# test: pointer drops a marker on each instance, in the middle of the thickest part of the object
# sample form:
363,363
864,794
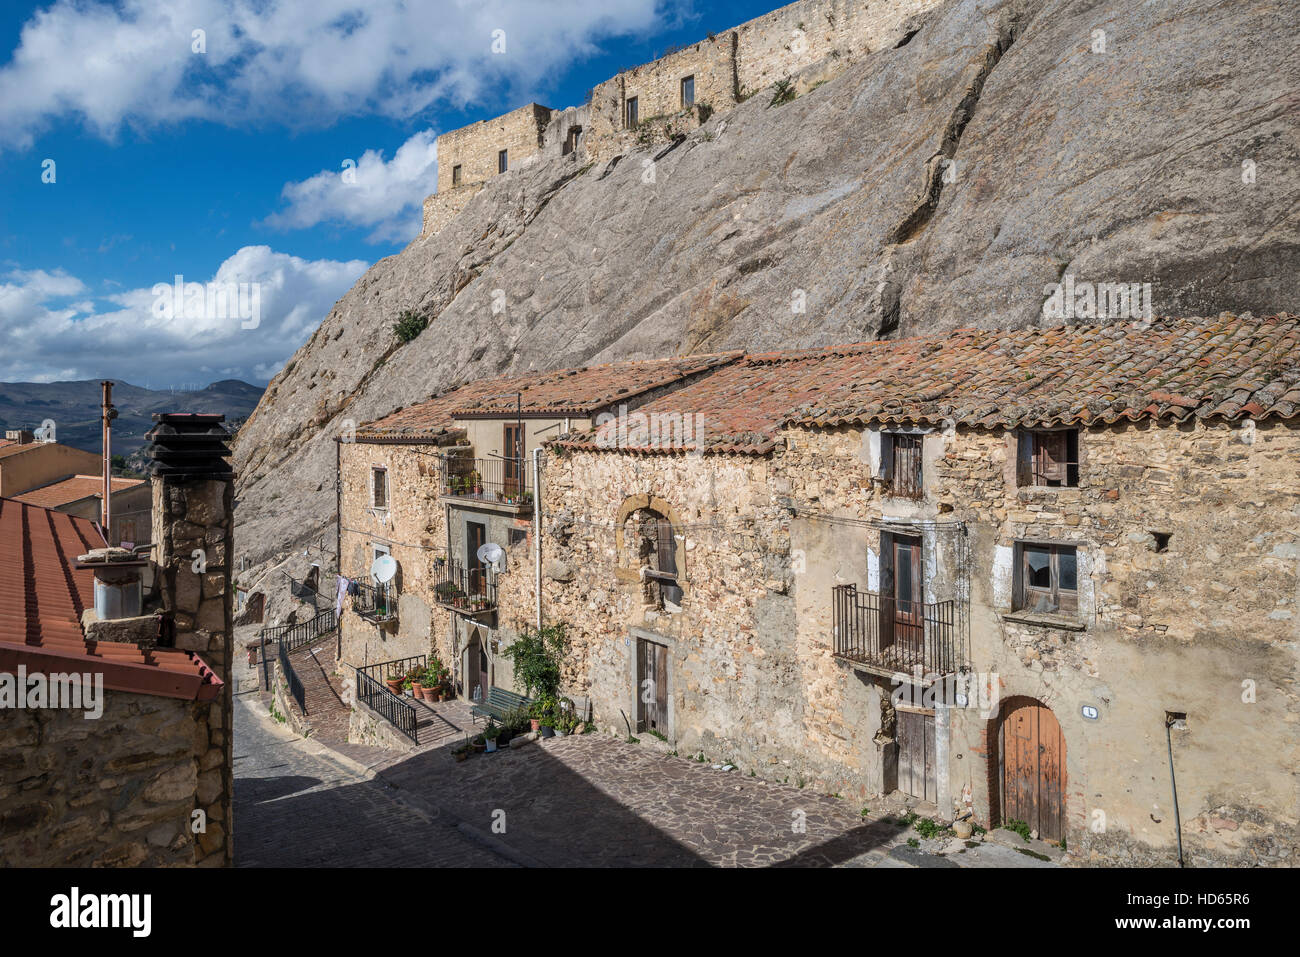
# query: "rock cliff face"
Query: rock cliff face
941,183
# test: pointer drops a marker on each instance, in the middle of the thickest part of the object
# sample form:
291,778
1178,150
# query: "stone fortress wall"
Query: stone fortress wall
726,68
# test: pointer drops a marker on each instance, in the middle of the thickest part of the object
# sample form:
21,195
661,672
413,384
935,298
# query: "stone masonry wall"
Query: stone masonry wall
442,207
475,147
1207,625
118,791
189,519
415,529
727,67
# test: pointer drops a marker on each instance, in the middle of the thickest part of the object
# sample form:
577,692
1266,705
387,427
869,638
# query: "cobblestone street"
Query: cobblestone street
591,800
296,805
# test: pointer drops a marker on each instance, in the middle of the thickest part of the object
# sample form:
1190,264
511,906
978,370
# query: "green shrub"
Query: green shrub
536,656
409,325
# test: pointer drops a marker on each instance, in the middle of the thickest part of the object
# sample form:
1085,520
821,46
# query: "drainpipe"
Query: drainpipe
537,532
1175,719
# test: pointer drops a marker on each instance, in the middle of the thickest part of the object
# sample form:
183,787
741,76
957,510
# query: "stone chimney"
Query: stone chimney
193,527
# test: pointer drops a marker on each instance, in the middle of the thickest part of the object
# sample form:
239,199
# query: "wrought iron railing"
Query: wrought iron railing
464,588
375,695
375,602
502,480
291,677
292,636
898,634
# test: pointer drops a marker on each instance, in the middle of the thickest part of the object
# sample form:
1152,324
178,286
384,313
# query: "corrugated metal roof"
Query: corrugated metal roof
42,596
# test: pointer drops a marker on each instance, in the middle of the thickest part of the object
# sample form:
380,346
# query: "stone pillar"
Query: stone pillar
193,527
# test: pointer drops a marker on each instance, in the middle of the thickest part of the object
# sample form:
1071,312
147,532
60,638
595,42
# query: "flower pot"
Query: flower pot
480,747
461,755
491,746
394,685
417,689
534,722
560,732
546,731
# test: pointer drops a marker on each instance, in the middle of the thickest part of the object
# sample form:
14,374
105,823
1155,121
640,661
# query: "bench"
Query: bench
499,703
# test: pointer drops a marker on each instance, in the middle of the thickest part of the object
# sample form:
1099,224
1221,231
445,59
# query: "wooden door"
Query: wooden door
904,608
1031,750
651,687
916,768
512,446
474,670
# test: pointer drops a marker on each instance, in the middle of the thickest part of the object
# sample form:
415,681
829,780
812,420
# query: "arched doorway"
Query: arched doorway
1031,768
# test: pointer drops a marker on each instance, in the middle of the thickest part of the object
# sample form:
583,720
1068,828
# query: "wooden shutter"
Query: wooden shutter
887,456
1025,458
1052,456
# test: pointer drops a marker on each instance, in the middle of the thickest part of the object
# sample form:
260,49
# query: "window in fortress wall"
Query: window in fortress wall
503,160
688,92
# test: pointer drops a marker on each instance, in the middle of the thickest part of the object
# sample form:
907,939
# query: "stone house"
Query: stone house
434,483
115,709
83,495
982,571
1004,574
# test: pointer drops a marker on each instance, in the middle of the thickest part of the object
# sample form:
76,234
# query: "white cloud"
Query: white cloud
131,340
386,197
299,64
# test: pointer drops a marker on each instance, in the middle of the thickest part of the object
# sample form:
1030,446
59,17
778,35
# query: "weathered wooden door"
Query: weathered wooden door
916,767
902,607
651,686
1031,749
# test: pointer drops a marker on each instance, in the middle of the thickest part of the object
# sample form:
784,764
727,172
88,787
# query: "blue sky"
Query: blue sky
223,163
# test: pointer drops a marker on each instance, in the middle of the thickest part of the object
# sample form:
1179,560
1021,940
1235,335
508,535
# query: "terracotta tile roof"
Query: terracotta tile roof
559,392
74,489
14,448
1226,367
42,596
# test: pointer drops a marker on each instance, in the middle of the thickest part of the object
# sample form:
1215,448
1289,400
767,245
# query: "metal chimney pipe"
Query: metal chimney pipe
109,414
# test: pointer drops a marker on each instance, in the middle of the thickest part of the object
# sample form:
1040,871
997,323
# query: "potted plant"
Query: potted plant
479,743
490,735
394,682
477,481
463,752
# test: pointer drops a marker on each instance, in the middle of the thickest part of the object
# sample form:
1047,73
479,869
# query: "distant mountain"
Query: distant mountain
74,408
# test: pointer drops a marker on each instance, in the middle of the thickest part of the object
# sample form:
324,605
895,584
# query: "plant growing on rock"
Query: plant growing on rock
409,325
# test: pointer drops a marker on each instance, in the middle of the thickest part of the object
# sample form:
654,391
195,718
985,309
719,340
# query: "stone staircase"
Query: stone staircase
314,664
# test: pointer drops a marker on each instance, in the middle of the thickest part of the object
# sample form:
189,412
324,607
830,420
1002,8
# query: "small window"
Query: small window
1049,459
503,161
653,541
573,142
688,92
631,118
379,488
455,175
516,536
900,464
1048,581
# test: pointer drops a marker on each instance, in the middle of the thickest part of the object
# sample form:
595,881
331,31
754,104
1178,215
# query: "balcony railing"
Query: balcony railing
372,692
504,481
892,634
377,603
464,589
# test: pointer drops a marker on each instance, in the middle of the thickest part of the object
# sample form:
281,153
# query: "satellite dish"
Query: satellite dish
490,553
383,568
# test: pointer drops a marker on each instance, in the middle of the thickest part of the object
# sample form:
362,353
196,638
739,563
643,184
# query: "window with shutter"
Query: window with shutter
1048,458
